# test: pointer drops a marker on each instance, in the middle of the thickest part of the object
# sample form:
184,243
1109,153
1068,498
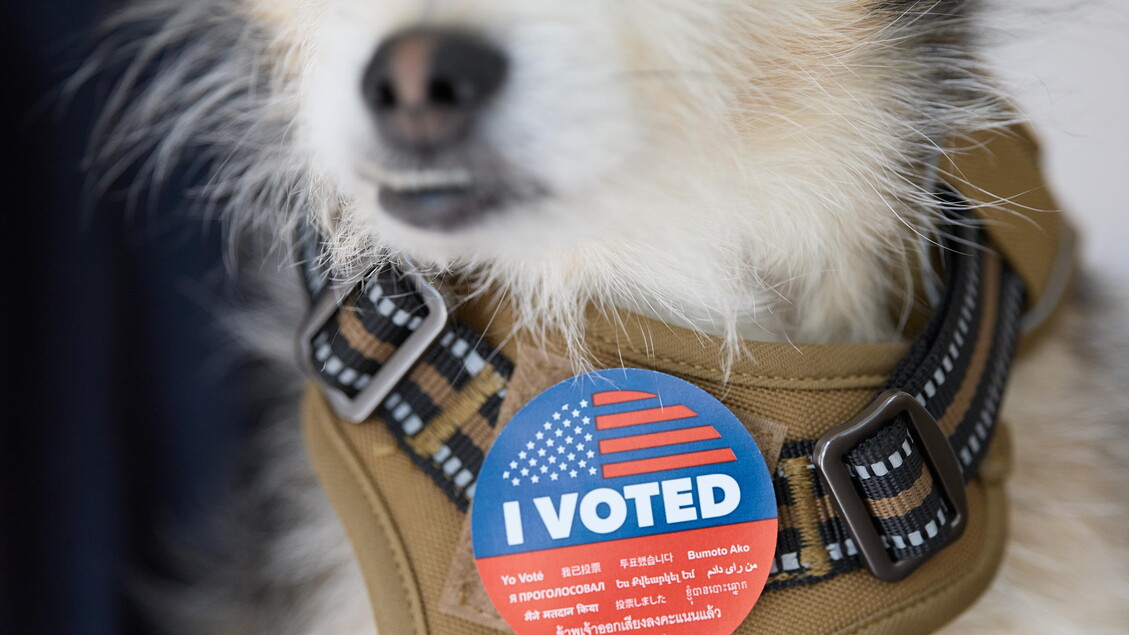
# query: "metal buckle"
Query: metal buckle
359,408
939,457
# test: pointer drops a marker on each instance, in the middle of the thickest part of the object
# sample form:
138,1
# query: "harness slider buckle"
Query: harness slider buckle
360,407
938,457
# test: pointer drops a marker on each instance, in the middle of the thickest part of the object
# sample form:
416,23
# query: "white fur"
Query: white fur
757,169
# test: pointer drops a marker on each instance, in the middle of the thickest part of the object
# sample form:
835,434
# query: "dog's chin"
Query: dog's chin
445,229
441,216
443,209
443,225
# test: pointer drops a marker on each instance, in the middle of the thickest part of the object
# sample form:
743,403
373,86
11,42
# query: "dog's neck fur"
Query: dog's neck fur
829,285
834,271
820,252
820,270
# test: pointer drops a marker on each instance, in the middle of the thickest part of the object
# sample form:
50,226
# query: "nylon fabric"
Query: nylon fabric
999,172
416,518
373,532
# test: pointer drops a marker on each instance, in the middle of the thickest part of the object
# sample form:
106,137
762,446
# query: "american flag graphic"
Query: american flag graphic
582,441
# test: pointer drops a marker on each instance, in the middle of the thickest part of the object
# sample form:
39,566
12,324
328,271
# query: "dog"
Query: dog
752,170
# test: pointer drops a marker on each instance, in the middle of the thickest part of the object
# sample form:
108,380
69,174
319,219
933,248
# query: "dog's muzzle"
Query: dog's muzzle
427,91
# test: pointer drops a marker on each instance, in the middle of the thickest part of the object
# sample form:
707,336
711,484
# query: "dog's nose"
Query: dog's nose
426,88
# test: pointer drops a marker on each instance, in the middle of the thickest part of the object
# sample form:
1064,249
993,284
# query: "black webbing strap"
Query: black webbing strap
956,369
444,410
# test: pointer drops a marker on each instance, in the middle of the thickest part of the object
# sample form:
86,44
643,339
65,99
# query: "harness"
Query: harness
888,459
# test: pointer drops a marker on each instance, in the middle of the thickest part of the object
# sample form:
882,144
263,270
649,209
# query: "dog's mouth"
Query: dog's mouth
435,199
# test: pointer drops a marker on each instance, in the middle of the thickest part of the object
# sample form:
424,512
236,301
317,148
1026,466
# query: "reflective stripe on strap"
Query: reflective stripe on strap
445,409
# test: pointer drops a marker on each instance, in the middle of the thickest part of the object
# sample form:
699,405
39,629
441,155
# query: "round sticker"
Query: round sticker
624,500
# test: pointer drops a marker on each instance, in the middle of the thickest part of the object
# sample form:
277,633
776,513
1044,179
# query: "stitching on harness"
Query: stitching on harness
702,367
376,508
463,602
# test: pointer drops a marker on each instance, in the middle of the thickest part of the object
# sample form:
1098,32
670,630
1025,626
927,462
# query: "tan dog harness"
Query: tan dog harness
887,458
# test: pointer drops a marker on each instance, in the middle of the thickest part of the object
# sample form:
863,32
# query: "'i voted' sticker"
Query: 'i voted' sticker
624,500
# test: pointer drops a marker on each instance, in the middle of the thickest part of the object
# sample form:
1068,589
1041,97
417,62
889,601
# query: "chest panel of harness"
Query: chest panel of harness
403,480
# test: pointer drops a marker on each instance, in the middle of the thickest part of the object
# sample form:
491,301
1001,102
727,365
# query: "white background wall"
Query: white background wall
1067,64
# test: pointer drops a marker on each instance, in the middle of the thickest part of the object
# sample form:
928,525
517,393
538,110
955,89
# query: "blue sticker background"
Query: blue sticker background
551,447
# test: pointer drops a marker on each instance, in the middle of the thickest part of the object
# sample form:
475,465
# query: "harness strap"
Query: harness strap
444,411
957,370
998,172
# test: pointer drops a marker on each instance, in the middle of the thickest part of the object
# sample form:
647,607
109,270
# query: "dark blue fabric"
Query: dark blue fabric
120,416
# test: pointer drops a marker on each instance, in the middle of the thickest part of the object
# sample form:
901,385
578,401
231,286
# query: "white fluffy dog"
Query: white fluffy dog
753,169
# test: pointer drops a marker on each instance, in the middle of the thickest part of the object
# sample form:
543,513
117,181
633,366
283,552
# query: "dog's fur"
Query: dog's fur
756,169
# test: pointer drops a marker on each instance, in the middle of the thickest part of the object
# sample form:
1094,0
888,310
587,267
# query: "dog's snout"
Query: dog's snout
426,88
